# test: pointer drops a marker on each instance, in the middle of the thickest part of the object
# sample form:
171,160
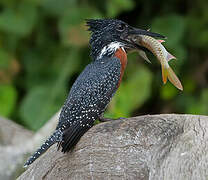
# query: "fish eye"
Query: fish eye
120,27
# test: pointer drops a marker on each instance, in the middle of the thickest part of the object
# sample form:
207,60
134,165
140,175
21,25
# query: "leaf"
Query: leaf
8,98
171,26
5,59
19,21
198,105
117,6
72,26
43,101
38,106
59,7
204,101
203,38
180,53
168,91
132,93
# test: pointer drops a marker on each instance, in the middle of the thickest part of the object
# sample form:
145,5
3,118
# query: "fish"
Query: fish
155,46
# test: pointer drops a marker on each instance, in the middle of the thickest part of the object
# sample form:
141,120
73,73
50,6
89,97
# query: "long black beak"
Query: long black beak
134,35
135,31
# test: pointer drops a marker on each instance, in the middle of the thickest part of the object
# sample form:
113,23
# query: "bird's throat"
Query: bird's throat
122,56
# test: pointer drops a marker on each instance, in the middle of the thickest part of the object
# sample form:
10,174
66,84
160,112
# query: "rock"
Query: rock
11,156
154,147
17,143
12,133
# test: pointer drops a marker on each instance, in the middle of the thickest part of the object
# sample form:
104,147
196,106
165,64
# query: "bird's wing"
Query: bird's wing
88,99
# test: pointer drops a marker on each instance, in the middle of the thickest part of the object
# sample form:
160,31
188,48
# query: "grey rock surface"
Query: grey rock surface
12,139
12,133
17,143
155,147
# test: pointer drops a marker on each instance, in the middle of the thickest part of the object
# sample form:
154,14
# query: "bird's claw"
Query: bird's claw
102,119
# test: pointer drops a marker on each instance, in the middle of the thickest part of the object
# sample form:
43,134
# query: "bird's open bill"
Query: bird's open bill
137,32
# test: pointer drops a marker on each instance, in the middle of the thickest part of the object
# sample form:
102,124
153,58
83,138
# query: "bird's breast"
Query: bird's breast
122,56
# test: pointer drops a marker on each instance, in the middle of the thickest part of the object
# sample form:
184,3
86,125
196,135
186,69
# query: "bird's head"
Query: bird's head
110,34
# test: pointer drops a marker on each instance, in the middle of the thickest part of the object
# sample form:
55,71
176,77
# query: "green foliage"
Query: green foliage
8,97
169,25
44,47
168,92
199,105
132,93
19,21
38,106
42,101
5,59
116,6
173,27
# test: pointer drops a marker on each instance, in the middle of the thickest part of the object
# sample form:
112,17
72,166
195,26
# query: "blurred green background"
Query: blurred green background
44,46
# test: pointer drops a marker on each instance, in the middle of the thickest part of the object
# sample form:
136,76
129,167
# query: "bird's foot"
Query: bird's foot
102,119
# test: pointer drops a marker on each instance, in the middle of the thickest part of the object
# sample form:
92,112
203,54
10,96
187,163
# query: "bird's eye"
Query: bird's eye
121,27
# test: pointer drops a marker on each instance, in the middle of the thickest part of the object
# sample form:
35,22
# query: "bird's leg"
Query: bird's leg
103,119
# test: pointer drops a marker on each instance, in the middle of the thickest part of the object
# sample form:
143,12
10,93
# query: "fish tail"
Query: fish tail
168,73
164,74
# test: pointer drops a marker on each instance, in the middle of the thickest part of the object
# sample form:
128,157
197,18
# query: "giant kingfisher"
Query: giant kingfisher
92,91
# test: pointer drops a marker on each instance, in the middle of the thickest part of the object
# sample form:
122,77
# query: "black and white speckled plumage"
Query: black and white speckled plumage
94,88
87,100
89,97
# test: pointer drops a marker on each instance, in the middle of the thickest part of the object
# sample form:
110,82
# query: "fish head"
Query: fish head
108,31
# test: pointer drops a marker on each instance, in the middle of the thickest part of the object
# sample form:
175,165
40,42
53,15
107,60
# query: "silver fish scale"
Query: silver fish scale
156,47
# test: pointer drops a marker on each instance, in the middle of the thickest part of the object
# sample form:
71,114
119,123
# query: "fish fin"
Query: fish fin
160,40
170,56
169,73
144,56
164,74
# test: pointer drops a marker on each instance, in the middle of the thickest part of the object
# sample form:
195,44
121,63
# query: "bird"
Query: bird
110,41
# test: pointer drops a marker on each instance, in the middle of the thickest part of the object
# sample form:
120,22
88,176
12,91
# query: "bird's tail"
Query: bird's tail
72,135
55,137
168,73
